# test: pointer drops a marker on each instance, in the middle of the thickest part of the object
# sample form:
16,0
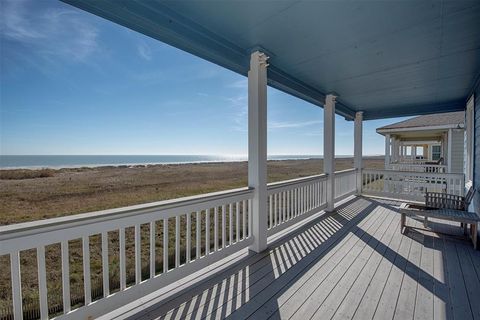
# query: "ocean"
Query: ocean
73,161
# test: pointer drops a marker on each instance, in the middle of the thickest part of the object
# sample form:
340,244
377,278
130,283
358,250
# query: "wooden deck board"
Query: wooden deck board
405,305
366,290
363,263
323,289
351,265
283,305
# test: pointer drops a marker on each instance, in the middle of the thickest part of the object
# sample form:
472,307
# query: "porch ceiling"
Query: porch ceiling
386,58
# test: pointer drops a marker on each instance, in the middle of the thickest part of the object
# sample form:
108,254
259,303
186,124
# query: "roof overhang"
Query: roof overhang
387,59
420,129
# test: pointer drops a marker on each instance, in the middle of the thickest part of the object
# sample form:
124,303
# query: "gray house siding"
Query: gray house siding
476,141
457,150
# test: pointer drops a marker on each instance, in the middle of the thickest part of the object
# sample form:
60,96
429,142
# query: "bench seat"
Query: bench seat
463,217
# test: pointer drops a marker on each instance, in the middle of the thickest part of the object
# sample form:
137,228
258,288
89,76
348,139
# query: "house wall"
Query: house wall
457,151
476,142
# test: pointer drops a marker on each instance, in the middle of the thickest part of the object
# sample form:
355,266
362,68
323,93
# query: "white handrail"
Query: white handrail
294,200
418,167
410,185
217,225
345,183
38,234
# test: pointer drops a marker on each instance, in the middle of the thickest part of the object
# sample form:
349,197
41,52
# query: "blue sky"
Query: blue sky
73,83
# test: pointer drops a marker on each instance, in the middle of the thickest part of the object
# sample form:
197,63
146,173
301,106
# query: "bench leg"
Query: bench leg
402,223
425,222
465,229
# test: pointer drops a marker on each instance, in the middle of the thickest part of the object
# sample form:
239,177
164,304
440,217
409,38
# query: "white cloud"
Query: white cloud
144,51
50,33
289,124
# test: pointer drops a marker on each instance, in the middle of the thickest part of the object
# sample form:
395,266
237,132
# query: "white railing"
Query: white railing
409,185
345,183
196,232
191,234
437,168
412,161
293,200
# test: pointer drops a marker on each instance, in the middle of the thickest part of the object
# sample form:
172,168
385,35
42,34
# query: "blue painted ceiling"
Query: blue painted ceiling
386,58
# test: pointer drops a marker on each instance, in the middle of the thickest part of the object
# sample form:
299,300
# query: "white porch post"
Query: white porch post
357,149
414,152
329,148
387,151
257,148
394,150
449,150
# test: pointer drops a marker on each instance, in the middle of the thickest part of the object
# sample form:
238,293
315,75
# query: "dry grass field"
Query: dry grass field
28,195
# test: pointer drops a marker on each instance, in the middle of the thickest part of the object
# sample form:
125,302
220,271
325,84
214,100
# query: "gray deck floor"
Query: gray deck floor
351,264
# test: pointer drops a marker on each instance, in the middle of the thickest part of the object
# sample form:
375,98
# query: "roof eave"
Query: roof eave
424,128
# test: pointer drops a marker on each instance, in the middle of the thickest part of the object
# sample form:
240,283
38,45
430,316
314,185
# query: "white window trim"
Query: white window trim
469,128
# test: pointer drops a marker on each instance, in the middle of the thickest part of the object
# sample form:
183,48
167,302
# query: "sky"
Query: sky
73,83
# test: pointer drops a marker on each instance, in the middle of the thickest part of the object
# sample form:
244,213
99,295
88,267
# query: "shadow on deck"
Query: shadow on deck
353,263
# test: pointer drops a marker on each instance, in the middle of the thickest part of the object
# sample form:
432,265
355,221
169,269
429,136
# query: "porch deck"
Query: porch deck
354,263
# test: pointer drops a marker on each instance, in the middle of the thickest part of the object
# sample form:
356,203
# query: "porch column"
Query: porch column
414,152
394,150
387,151
257,148
449,151
357,149
329,148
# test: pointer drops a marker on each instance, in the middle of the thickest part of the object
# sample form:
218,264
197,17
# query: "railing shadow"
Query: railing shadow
258,279
426,239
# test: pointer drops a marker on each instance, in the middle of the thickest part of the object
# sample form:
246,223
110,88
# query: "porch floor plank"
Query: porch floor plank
352,264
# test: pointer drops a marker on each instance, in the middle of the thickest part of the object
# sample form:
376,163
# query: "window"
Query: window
436,153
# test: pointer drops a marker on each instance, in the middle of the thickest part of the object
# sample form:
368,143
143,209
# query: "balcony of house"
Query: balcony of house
326,246
430,144
189,258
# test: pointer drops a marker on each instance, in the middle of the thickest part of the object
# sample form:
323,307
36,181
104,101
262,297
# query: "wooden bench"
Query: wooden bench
445,207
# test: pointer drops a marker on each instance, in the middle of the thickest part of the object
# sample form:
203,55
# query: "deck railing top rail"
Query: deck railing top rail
77,220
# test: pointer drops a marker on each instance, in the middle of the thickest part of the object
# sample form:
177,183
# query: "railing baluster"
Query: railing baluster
177,241
189,238
249,212
288,205
123,273
215,230
270,211
207,231
16,285
65,277
198,234
138,255
284,207
165,245
302,210
237,218
152,248
86,269
230,223
244,219
224,226
42,282
275,199
105,272
296,202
